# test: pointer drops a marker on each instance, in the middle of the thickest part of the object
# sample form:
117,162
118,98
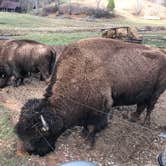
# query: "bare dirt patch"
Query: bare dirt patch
122,143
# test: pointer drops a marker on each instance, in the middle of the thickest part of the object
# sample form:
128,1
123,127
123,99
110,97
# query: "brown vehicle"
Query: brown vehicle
125,33
91,77
19,58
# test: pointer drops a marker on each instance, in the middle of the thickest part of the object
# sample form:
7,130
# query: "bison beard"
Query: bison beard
92,76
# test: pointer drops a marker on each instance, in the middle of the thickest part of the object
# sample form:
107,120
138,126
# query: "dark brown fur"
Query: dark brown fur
92,76
26,56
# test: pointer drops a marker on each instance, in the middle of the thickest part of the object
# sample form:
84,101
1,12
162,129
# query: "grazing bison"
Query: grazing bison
91,77
18,58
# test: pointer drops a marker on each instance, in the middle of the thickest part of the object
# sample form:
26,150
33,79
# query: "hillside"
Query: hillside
128,7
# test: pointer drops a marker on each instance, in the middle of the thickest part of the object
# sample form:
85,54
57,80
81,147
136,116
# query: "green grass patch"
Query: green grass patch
6,131
8,142
155,42
58,38
153,38
6,159
138,22
16,20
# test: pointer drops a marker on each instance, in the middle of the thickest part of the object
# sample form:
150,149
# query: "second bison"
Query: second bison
18,58
91,77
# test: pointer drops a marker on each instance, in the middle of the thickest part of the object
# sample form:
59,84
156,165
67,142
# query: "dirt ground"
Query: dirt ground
122,143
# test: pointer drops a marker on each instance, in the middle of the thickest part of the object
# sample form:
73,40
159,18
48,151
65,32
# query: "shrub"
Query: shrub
111,5
48,10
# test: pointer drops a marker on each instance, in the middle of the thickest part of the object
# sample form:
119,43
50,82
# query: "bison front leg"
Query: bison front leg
160,88
44,72
94,129
100,117
85,131
17,80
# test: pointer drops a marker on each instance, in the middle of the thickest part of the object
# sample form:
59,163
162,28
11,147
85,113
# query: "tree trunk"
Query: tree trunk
69,1
138,6
57,4
98,3
37,5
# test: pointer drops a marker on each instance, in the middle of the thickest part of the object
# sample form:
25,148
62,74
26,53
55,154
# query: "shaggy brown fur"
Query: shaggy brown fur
26,56
92,76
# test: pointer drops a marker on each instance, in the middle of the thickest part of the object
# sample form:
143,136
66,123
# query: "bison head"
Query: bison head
38,127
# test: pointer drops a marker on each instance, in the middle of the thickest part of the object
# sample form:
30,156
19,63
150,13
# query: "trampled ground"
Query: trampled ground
122,143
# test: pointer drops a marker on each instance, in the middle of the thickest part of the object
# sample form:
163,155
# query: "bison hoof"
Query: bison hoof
18,83
133,118
84,133
146,123
90,141
125,116
88,147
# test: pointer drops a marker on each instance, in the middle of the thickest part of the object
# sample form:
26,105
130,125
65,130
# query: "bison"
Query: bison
92,76
18,58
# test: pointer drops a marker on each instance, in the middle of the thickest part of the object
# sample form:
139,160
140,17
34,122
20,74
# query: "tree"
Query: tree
138,7
37,5
111,5
57,4
69,2
98,3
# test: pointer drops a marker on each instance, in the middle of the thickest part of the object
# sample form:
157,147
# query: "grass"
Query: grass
58,38
8,143
7,160
15,20
6,131
155,42
153,39
136,21
44,29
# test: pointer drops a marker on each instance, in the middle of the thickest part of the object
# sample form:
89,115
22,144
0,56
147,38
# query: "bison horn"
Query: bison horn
45,125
